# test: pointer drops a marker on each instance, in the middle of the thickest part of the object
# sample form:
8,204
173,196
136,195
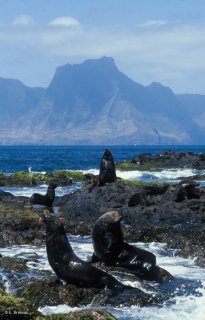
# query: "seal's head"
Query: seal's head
52,185
107,154
52,222
111,217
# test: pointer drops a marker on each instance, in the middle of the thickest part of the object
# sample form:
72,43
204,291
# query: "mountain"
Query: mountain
94,103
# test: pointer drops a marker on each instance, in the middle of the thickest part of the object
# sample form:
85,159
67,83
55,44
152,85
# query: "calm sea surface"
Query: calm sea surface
50,158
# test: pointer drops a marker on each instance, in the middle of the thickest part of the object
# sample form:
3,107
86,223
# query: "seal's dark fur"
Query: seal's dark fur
110,248
107,169
47,199
67,265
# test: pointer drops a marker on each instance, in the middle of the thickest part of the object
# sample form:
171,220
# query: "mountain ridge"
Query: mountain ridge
95,103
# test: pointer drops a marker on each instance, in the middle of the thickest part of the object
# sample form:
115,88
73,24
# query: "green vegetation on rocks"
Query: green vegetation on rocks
19,223
9,264
11,307
124,182
21,178
145,165
49,293
81,315
126,166
19,308
86,315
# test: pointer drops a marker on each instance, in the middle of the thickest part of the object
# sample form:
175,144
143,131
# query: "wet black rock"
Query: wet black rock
19,222
164,214
43,293
7,195
170,159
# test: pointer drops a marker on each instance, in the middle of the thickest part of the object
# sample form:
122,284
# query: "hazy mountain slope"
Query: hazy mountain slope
95,103
194,106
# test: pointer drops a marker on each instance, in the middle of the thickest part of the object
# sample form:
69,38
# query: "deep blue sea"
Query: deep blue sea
51,158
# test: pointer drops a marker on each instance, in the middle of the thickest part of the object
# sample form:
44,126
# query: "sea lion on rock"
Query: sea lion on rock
107,169
47,199
5,194
138,198
107,238
67,265
110,248
92,179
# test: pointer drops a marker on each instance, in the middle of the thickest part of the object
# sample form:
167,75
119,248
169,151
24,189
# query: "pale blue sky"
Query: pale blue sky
150,40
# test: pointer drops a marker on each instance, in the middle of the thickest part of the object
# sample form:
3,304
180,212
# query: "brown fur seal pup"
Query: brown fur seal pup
67,265
107,169
92,179
110,248
47,199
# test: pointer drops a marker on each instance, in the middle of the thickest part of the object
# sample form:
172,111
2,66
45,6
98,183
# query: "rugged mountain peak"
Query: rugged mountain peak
95,103
89,70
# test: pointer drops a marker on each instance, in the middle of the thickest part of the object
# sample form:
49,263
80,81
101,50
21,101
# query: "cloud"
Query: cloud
23,20
64,21
173,55
153,24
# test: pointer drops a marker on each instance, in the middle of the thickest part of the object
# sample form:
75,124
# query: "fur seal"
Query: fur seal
107,238
47,199
107,169
67,265
5,194
110,248
92,179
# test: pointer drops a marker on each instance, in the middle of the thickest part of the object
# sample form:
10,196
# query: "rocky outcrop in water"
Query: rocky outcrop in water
19,221
165,159
172,214
12,308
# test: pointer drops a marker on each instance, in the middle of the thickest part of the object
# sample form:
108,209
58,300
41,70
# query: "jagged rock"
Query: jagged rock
19,222
166,207
4,194
49,293
138,198
169,159
43,293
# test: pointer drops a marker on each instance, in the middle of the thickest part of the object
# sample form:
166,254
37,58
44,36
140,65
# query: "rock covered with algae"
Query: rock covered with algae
20,308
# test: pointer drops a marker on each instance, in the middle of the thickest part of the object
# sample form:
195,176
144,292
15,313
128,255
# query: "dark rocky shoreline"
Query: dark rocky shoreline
172,214
166,159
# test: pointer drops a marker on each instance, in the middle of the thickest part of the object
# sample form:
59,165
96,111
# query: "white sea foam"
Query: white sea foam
157,176
28,191
183,305
62,308
165,175
180,308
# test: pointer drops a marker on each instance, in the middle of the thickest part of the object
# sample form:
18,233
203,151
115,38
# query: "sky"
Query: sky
150,40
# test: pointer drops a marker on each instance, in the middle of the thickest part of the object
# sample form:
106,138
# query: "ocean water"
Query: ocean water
50,158
187,291
187,300
86,159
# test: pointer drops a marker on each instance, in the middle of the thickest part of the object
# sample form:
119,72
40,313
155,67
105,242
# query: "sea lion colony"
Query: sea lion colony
109,246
